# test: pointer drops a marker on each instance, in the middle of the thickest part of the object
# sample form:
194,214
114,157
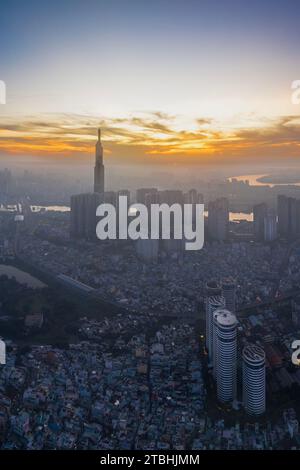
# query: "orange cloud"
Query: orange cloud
150,137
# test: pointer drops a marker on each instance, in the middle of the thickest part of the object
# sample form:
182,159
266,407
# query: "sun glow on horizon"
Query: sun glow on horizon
147,136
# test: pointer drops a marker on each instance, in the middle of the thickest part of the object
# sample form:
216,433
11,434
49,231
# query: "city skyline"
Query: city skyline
192,83
150,230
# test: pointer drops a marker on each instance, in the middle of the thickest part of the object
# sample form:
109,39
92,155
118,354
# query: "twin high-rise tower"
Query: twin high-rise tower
222,348
99,167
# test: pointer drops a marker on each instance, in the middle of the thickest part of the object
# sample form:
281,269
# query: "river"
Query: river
254,180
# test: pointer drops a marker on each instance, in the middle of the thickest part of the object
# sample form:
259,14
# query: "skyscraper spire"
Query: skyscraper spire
99,167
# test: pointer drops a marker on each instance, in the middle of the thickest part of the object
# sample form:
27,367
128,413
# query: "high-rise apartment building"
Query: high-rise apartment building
216,313
226,356
254,379
288,209
228,287
212,304
218,219
83,215
265,223
259,214
270,226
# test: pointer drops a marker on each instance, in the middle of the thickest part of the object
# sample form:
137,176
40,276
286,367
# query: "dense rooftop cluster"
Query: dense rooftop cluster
174,281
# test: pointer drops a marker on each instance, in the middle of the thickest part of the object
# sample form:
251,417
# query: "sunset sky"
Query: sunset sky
167,80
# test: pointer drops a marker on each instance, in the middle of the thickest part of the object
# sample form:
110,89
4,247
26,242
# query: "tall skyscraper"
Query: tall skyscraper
265,222
218,219
288,209
270,226
83,215
99,167
254,379
228,287
83,206
259,214
226,360
212,304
